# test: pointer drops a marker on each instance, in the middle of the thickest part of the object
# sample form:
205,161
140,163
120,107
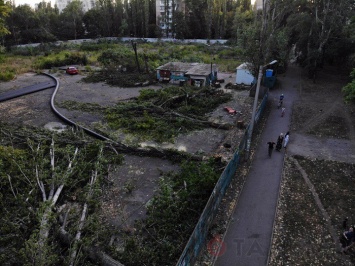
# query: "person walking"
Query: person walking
280,101
280,139
346,239
281,97
286,139
271,147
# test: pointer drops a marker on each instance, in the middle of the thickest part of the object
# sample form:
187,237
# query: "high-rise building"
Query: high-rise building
165,10
259,4
87,4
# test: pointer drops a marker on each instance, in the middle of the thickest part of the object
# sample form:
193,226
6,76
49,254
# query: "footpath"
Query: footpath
247,240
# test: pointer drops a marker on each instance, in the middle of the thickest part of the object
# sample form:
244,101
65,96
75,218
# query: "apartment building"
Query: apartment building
87,4
259,4
165,10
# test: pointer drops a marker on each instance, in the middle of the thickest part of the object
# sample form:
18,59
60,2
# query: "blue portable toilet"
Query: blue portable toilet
269,73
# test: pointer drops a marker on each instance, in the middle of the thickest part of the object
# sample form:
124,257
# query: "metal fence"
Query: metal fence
198,237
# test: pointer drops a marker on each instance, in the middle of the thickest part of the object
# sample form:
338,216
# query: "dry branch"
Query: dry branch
12,189
82,219
44,226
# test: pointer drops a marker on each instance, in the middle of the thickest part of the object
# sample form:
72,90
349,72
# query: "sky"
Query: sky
33,2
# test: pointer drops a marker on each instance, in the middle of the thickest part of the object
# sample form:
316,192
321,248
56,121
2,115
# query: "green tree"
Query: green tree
313,25
92,27
196,18
71,21
349,89
22,24
4,12
180,26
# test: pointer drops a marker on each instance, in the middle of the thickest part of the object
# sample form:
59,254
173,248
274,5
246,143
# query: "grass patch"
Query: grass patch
10,66
63,58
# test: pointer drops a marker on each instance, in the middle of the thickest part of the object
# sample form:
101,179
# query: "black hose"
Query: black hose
67,120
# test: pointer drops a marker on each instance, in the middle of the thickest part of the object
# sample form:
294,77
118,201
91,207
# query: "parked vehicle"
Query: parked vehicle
72,70
230,110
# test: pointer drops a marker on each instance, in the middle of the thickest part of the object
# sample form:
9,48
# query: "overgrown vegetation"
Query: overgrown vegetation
63,58
161,115
116,60
172,215
46,186
349,89
10,66
27,174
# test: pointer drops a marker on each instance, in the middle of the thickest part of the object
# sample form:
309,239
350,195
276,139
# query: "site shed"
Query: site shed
196,74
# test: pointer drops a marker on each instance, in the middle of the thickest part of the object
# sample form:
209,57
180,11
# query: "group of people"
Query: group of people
282,141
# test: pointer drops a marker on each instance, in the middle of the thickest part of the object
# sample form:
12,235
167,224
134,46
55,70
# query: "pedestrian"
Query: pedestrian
346,239
286,139
352,244
280,101
281,97
280,139
283,111
271,147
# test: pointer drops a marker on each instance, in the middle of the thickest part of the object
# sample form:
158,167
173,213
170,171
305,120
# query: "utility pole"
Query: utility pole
252,122
134,45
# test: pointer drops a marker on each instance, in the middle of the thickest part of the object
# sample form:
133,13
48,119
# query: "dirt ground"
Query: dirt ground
323,125
133,183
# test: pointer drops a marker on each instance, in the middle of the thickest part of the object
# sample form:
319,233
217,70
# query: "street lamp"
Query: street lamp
211,52
252,122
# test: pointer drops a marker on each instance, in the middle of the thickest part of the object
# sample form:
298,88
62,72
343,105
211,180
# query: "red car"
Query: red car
230,110
72,70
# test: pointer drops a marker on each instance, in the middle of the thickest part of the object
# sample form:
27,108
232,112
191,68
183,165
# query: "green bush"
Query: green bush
7,75
349,89
61,59
172,215
90,46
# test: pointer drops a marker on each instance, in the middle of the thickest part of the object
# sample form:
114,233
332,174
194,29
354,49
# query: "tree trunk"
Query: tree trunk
93,253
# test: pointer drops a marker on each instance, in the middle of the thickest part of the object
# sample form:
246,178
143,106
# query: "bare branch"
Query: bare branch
51,153
19,167
82,219
40,185
12,189
29,194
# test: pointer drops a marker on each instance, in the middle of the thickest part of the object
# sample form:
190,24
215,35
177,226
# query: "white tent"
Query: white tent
243,75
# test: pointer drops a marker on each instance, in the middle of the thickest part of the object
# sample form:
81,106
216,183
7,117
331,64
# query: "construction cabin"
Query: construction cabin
194,74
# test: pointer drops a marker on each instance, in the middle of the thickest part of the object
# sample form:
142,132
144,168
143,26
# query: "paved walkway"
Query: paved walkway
248,236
